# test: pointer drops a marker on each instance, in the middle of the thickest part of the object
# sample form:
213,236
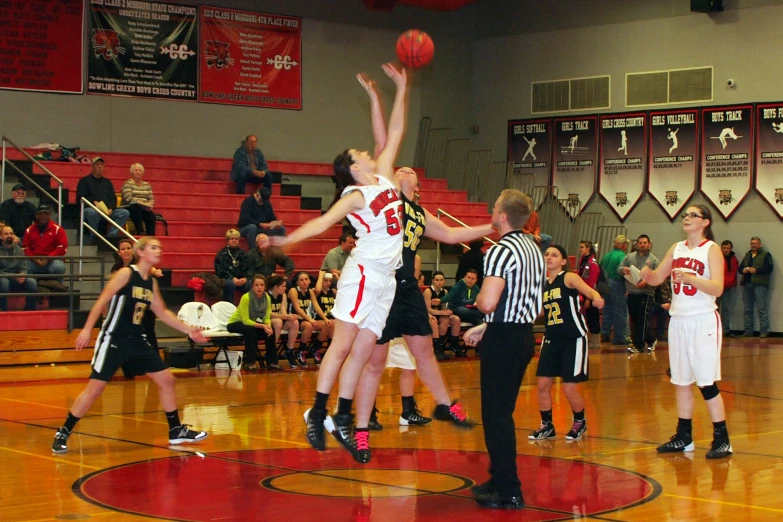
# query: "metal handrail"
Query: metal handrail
59,182
97,234
442,212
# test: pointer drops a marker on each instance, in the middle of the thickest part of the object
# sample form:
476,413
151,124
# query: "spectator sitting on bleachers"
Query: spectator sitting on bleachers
301,299
473,258
282,319
334,261
45,239
256,216
100,192
432,297
533,229
137,196
252,319
231,266
323,302
263,259
16,239
461,299
17,212
250,166
14,266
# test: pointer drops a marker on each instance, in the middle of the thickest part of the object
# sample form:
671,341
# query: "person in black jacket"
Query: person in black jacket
96,189
231,266
473,258
257,216
17,212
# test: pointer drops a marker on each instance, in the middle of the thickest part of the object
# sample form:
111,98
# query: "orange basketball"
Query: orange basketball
415,48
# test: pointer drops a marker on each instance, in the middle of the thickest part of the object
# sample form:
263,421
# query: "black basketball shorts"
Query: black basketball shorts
408,315
564,357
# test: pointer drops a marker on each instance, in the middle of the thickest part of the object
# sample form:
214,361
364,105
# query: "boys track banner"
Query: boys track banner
143,49
674,160
726,156
530,148
576,150
41,45
252,59
769,155
623,160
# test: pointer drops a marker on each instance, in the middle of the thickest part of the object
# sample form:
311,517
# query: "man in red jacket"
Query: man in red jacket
729,286
44,239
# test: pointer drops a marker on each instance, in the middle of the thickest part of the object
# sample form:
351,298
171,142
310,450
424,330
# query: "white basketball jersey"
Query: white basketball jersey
378,225
687,300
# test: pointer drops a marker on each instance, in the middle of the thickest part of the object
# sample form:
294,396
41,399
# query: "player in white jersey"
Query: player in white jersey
695,332
367,285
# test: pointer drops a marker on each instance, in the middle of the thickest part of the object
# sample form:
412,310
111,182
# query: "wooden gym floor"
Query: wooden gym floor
256,464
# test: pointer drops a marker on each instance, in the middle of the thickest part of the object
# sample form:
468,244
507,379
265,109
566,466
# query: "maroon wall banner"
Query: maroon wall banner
530,148
623,160
674,159
769,155
41,45
252,59
576,148
726,154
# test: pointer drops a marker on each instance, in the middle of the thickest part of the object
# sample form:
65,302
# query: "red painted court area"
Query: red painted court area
399,484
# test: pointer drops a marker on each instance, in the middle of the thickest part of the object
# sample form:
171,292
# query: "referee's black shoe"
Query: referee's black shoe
498,501
483,490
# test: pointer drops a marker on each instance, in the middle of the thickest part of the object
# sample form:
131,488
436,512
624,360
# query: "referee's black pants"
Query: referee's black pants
506,350
639,313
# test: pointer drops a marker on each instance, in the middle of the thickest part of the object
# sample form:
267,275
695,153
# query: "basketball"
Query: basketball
415,48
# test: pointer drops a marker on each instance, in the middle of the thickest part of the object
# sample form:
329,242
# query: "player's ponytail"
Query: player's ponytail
342,174
706,214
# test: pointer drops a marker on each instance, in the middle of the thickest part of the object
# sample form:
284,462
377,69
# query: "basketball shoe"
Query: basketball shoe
316,422
680,441
182,434
413,417
60,444
453,413
577,431
545,431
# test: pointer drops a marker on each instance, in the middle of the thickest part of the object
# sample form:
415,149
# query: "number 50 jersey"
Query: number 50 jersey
561,310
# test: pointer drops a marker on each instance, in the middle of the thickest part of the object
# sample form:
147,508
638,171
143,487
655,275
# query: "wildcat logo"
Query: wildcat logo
573,200
106,44
779,196
218,55
621,199
724,197
671,197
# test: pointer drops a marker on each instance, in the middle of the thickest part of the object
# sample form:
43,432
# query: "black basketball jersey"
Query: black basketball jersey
277,304
127,308
561,308
326,301
413,223
304,302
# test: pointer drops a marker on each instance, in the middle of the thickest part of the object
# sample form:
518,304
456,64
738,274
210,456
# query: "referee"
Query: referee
510,297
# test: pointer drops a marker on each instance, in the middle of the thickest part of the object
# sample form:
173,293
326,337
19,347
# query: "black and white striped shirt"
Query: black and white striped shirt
518,260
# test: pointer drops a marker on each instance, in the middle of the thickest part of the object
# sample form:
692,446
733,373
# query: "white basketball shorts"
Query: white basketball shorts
400,355
364,296
694,349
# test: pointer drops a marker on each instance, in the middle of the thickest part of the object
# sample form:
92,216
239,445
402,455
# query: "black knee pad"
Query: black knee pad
709,392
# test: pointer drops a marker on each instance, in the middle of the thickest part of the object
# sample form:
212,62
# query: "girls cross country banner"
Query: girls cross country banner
576,149
726,148
144,49
530,148
623,160
252,59
769,155
41,45
674,147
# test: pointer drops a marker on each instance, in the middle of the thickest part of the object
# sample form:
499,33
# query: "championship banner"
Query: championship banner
623,160
576,149
530,148
41,46
726,148
769,155
252,59
143,49
674,165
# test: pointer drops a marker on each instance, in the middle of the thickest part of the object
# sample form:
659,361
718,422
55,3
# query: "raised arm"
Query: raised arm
385,159
376,114
439,231
343,206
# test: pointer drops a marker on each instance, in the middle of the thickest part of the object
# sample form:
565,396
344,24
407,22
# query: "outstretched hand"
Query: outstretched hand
195,334
278,241
368,84
400,78
646,274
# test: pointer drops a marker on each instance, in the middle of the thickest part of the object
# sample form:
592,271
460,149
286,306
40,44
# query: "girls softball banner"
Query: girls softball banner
41,45
673,167
769,155
252,59
623,160
530,148
576,148
144,49
726,148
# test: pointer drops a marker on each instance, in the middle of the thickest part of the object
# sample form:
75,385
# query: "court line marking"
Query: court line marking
59,461
99,513
724,503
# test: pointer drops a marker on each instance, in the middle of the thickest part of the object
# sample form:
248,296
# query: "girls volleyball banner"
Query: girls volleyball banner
623,160
769,155
530,148
726,148
142,49
576,149
673,167
41,46
252,59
